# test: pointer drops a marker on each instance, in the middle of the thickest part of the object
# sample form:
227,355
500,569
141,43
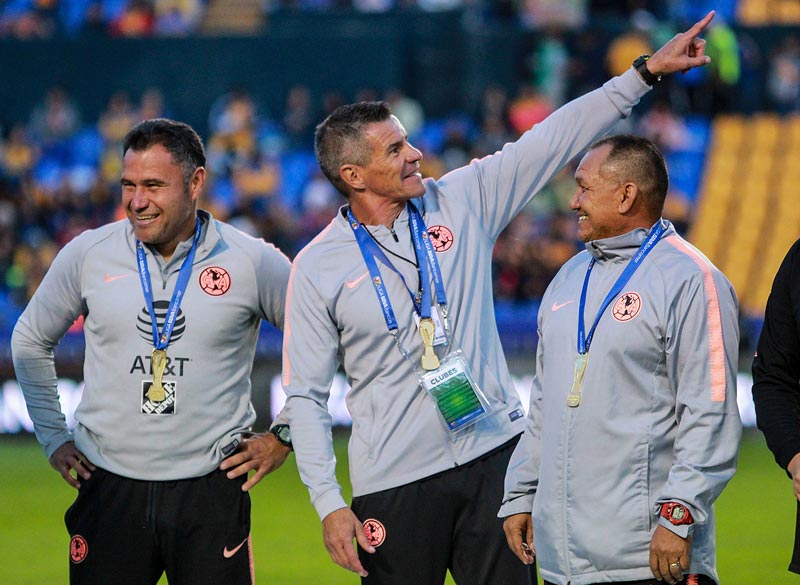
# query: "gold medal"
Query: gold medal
427,330
574,396
158,362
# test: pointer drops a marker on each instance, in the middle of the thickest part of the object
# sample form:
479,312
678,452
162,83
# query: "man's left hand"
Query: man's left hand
684,51
262,452
669,555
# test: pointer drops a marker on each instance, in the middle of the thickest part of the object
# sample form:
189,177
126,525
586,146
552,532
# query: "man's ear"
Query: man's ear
628,196
351,175
196,182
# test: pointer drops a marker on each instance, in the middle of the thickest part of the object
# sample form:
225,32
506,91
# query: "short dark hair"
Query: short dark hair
637,159
180,140
339,138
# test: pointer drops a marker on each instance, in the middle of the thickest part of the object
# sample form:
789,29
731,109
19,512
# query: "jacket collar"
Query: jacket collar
209,238
376,230
624,246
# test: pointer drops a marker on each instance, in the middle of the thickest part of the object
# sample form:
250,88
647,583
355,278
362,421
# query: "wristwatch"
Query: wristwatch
283,435
640,64
676,513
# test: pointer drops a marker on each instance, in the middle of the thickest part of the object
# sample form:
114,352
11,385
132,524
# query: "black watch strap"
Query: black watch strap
283,435
640,64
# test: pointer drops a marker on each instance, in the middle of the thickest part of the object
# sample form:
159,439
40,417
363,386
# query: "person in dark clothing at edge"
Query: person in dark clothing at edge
776,377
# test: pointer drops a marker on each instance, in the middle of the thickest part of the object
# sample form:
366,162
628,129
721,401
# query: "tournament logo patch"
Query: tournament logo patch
627,307
78,549
375,532
144,323
441,238
215,281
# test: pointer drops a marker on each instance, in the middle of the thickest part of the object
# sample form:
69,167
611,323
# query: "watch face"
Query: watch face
283,433
678,513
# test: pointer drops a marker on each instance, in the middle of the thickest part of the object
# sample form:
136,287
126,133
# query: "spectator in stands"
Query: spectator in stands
137,20
456,146
627,46
783,81
492,135
152,105
408,110
177,17
18,154
118,117
29,19
725,70
494,103
550,65
529,107
373,6
56,118
661,125
539,14
331,100
298,117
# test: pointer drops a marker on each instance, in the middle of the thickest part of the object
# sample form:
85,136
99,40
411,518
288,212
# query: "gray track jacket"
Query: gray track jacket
333,317
658,420
236,281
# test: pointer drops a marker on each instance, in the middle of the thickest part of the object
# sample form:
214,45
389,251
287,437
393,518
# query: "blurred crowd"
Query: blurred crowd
59,168
59,175
32,19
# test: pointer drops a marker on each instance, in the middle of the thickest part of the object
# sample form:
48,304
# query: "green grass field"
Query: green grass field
755,523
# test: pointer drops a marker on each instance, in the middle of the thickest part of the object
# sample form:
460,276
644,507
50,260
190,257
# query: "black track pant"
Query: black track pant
446,521
125,531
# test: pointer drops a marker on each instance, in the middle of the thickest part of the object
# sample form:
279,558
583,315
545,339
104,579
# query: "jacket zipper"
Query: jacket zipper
564,496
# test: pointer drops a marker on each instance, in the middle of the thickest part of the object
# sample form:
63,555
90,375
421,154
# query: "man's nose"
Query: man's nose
139,200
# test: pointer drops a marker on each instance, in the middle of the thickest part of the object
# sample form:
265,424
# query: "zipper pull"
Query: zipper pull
394,235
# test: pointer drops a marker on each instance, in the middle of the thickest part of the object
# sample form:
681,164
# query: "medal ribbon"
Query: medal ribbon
652,239
162,341
428,265
429,269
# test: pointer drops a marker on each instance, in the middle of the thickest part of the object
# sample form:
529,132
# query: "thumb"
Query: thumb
696,62
362,539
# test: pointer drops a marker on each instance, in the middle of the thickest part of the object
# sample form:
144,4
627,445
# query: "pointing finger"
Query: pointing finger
700,25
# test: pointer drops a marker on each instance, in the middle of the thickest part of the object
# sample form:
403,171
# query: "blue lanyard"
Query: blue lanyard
428,265
584,340
424,249
162,341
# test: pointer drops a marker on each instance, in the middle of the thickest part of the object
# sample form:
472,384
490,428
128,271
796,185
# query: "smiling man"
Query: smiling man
633,428
397,290
172,302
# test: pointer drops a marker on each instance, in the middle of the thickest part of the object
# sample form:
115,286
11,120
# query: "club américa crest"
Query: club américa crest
375,532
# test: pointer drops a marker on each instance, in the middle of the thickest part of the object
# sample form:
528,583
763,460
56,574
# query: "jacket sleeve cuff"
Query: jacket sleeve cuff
520,505
328,502
684,530
626,90
280,419
53,443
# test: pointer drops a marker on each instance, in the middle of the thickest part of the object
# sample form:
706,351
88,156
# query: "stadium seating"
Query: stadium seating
747,216
760,12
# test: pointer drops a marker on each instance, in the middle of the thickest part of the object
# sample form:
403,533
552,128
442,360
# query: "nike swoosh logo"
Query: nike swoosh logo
557,306
229,553
108,278
354,283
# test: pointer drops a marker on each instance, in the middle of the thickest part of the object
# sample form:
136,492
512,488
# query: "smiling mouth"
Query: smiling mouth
582,218
146,217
